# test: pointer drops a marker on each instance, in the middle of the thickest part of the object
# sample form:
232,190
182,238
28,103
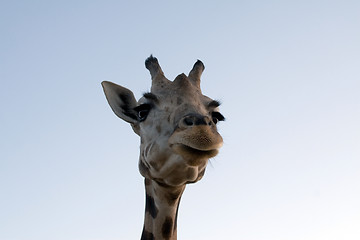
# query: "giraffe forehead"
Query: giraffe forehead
180,91
173,98
181,85
182,104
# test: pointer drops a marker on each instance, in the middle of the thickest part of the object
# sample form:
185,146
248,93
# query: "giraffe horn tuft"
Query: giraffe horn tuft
152,64
157,75
196,72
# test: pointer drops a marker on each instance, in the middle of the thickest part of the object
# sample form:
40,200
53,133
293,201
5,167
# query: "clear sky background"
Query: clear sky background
287,73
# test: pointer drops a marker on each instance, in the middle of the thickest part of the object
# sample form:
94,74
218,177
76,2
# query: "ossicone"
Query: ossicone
152,64
195,73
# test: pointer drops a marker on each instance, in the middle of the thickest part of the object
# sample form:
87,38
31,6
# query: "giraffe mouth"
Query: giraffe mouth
199,142
189,151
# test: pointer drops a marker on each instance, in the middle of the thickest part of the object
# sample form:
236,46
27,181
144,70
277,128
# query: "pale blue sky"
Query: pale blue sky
287,73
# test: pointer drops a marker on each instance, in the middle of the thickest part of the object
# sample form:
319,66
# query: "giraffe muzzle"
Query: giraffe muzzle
198,141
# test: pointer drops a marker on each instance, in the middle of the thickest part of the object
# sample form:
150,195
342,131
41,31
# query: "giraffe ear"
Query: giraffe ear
121,101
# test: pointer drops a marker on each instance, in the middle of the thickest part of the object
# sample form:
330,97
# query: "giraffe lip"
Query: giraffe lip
183,149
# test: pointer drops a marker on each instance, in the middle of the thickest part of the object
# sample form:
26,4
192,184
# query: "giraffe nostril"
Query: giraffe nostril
188,121
196,120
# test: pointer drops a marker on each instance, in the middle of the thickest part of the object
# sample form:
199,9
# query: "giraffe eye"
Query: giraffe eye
142,111
216,117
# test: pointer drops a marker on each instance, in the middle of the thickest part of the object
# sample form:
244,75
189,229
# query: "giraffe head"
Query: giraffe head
176,124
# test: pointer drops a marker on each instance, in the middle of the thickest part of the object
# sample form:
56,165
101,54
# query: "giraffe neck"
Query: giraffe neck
161,208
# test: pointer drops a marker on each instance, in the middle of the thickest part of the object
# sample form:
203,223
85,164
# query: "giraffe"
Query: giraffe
178,134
